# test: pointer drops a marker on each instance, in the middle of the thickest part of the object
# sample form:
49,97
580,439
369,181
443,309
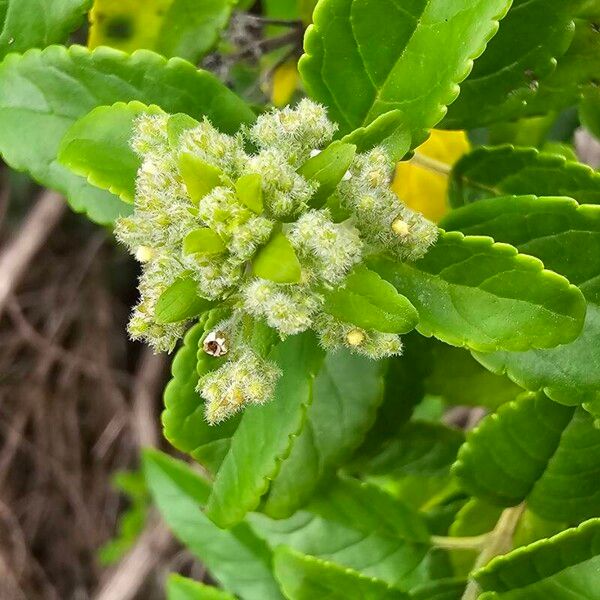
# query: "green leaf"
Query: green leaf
566,237
589,111
24,24
536,450
42,93
304,577
203,241
346,394
200,177
181,588
461,380
370,302
180,301
444,589
564,566
470,291
277,261
98,147
236,558
420,448
389,131
249,192
184,424
177,125
247,468
503,170
532,36
184,28
327,169
359,80
358,526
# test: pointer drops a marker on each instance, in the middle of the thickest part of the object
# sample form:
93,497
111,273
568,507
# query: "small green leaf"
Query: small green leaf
200,178
368,301
203,241
24,24
177,125
536,450
503,170
249,192
236,558
180,301
442,589
304,577
470,291
564,566
98,147
359,79
181,588
327,169
247,468
277,261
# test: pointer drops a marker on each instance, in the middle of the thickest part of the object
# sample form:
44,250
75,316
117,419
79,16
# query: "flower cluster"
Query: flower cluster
236,214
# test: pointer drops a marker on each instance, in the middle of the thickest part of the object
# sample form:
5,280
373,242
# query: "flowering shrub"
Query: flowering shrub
333,348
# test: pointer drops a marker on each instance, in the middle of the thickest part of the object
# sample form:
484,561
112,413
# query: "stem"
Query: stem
431,164
294,23
476,542
499,542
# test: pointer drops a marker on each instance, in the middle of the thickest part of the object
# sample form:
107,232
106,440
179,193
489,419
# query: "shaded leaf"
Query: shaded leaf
184,28
470,291
42,93
277,261
360,81
181,588
236,557
503,170
180,301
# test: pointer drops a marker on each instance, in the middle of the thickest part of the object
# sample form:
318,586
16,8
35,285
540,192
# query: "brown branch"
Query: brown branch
15,258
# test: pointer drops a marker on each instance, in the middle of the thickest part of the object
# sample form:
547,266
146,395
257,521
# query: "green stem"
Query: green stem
459,543
431,164
499,542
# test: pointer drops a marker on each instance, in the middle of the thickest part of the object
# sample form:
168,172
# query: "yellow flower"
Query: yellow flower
284,84
425,188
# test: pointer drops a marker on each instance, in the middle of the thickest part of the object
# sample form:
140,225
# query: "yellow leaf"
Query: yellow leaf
126,24
285,83
421,187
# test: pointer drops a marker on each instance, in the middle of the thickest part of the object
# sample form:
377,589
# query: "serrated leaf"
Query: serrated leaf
180,301
461,380
532,36
98,147
360,81
347,392
25,24
247,468
277,261
42,93
566,237
420,448
327,169
503,170
470,291
564,566
236,558
181,588
184,28
183,420
358,526
368,301
536,450
304,577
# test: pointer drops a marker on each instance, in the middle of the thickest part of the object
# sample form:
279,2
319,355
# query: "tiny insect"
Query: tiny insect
215,343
